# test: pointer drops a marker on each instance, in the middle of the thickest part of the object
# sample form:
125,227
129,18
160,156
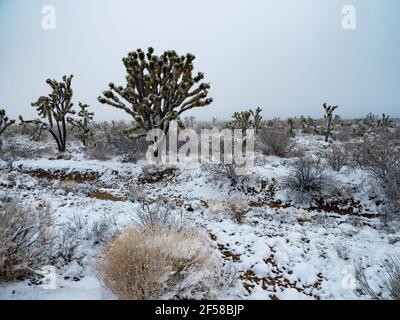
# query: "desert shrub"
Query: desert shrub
98,152
230,171
237,208
155,215
274,141
389,281
113,139
25,240
380,156
336,157
69,240
309,178
102,229
158,263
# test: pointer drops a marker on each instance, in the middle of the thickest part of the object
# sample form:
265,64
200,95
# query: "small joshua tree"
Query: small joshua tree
82,126
256,118
5,122
246,120
385,122
310,125
329,123
55,108
158,90
33,128
290,122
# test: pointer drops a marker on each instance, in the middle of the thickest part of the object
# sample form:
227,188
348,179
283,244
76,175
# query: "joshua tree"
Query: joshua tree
33,128
309,125
385,122
82,125
290,122
55,108
5,122
246,119
256,118
158,90
329,126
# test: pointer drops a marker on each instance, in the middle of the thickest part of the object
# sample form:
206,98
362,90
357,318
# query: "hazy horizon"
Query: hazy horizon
287,57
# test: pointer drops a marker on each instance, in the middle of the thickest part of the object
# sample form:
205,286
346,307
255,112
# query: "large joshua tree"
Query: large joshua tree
158,90
55,108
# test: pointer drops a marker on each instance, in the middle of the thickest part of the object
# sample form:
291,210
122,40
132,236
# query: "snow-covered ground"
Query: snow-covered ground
282,250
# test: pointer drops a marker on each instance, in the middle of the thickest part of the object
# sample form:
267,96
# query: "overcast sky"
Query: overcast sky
286,56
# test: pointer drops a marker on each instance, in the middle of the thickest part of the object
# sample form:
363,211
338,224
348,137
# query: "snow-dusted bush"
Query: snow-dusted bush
380,156
237,208
308,177
336,157
233,172
389,282
274,141
102,229
112,138
98,152
156,215
69,239
25,240
158,263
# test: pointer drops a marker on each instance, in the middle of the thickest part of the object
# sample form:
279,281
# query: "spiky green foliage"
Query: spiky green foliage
82,126
310,125
246,120
371,124
54,109
33,128
5,122
290,122
256,114
329,123
158,89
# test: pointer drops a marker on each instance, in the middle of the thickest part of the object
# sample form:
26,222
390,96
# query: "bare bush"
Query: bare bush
156,215
102,229
25,240
389,281
70,237
98,152
308,177
336,157
113,139
274,141
158,263
237,208
380,156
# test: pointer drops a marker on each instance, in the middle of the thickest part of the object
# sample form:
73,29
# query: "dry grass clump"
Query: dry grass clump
25,240
238,208
158,263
